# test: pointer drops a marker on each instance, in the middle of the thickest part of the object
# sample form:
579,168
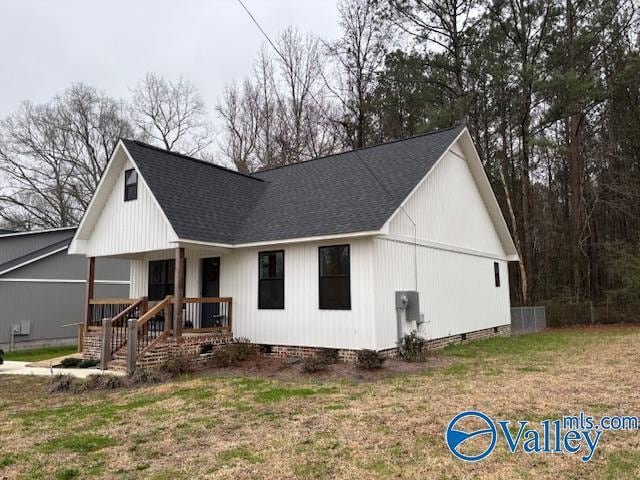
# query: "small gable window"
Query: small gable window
271,280
496,273
130,185
335,278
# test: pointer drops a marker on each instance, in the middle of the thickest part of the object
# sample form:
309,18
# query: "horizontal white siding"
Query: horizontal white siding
125,227
457,291
448,209
301,322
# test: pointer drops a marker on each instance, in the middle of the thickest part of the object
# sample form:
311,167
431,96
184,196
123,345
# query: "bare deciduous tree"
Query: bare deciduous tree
240,112
171,114
358,56
281,115
52,156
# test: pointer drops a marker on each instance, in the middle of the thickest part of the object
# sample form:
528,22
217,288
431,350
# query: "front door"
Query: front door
211,288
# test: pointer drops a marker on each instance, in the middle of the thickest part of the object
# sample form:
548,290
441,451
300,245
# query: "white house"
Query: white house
303,256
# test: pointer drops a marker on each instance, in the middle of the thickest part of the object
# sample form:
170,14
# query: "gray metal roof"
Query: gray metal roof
35,254
23,244
349,192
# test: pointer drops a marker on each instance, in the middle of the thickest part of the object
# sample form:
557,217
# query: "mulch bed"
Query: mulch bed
280,369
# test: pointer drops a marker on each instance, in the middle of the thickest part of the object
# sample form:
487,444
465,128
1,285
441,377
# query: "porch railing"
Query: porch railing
106,308
207,314
132,324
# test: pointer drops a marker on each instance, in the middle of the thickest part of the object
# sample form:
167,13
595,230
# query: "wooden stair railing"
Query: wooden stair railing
119,323
154,325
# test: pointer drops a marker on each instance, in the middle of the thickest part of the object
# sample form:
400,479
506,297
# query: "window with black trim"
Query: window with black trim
130,185
496,273
161,279
271,280
335,277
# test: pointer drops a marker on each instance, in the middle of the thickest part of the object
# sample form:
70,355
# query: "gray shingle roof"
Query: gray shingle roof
201,200
348,192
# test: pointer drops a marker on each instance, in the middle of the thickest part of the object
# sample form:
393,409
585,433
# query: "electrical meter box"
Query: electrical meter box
21,328
409,300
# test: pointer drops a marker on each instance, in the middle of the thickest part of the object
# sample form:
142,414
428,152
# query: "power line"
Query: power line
322,109
284,60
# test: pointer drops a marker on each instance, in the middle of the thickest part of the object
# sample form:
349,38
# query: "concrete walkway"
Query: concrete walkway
22,368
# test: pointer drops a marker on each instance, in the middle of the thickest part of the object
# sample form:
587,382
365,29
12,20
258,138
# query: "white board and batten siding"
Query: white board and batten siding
123,227
301,322
457,246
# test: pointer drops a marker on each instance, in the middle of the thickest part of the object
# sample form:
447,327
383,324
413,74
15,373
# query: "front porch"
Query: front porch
129,332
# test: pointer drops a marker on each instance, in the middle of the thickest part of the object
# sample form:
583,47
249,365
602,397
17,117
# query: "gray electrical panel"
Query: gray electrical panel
409,301
22,328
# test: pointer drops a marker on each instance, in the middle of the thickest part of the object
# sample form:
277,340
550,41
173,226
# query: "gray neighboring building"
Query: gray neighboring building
42,288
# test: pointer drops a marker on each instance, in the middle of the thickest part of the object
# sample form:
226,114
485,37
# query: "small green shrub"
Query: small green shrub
369,360
313,365
60,383
177,365
233,353
412,347
329,355
70,362
88,363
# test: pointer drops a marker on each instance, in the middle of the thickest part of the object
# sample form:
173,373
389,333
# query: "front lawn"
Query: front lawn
38,354
200,426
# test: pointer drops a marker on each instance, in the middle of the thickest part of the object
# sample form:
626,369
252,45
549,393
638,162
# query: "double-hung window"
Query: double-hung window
271,280
335,278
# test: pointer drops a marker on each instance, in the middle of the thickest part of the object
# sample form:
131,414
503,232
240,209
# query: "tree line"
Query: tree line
549,89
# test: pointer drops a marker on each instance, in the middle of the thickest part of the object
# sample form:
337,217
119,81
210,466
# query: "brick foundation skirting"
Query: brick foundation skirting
348,355
501,331
190,346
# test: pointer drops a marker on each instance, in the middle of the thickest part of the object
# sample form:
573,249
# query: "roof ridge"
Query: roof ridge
187,157
389,142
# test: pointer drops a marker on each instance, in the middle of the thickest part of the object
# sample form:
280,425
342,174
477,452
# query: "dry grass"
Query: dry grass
256,427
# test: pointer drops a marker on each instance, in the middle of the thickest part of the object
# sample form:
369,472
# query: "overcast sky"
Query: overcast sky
45,45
